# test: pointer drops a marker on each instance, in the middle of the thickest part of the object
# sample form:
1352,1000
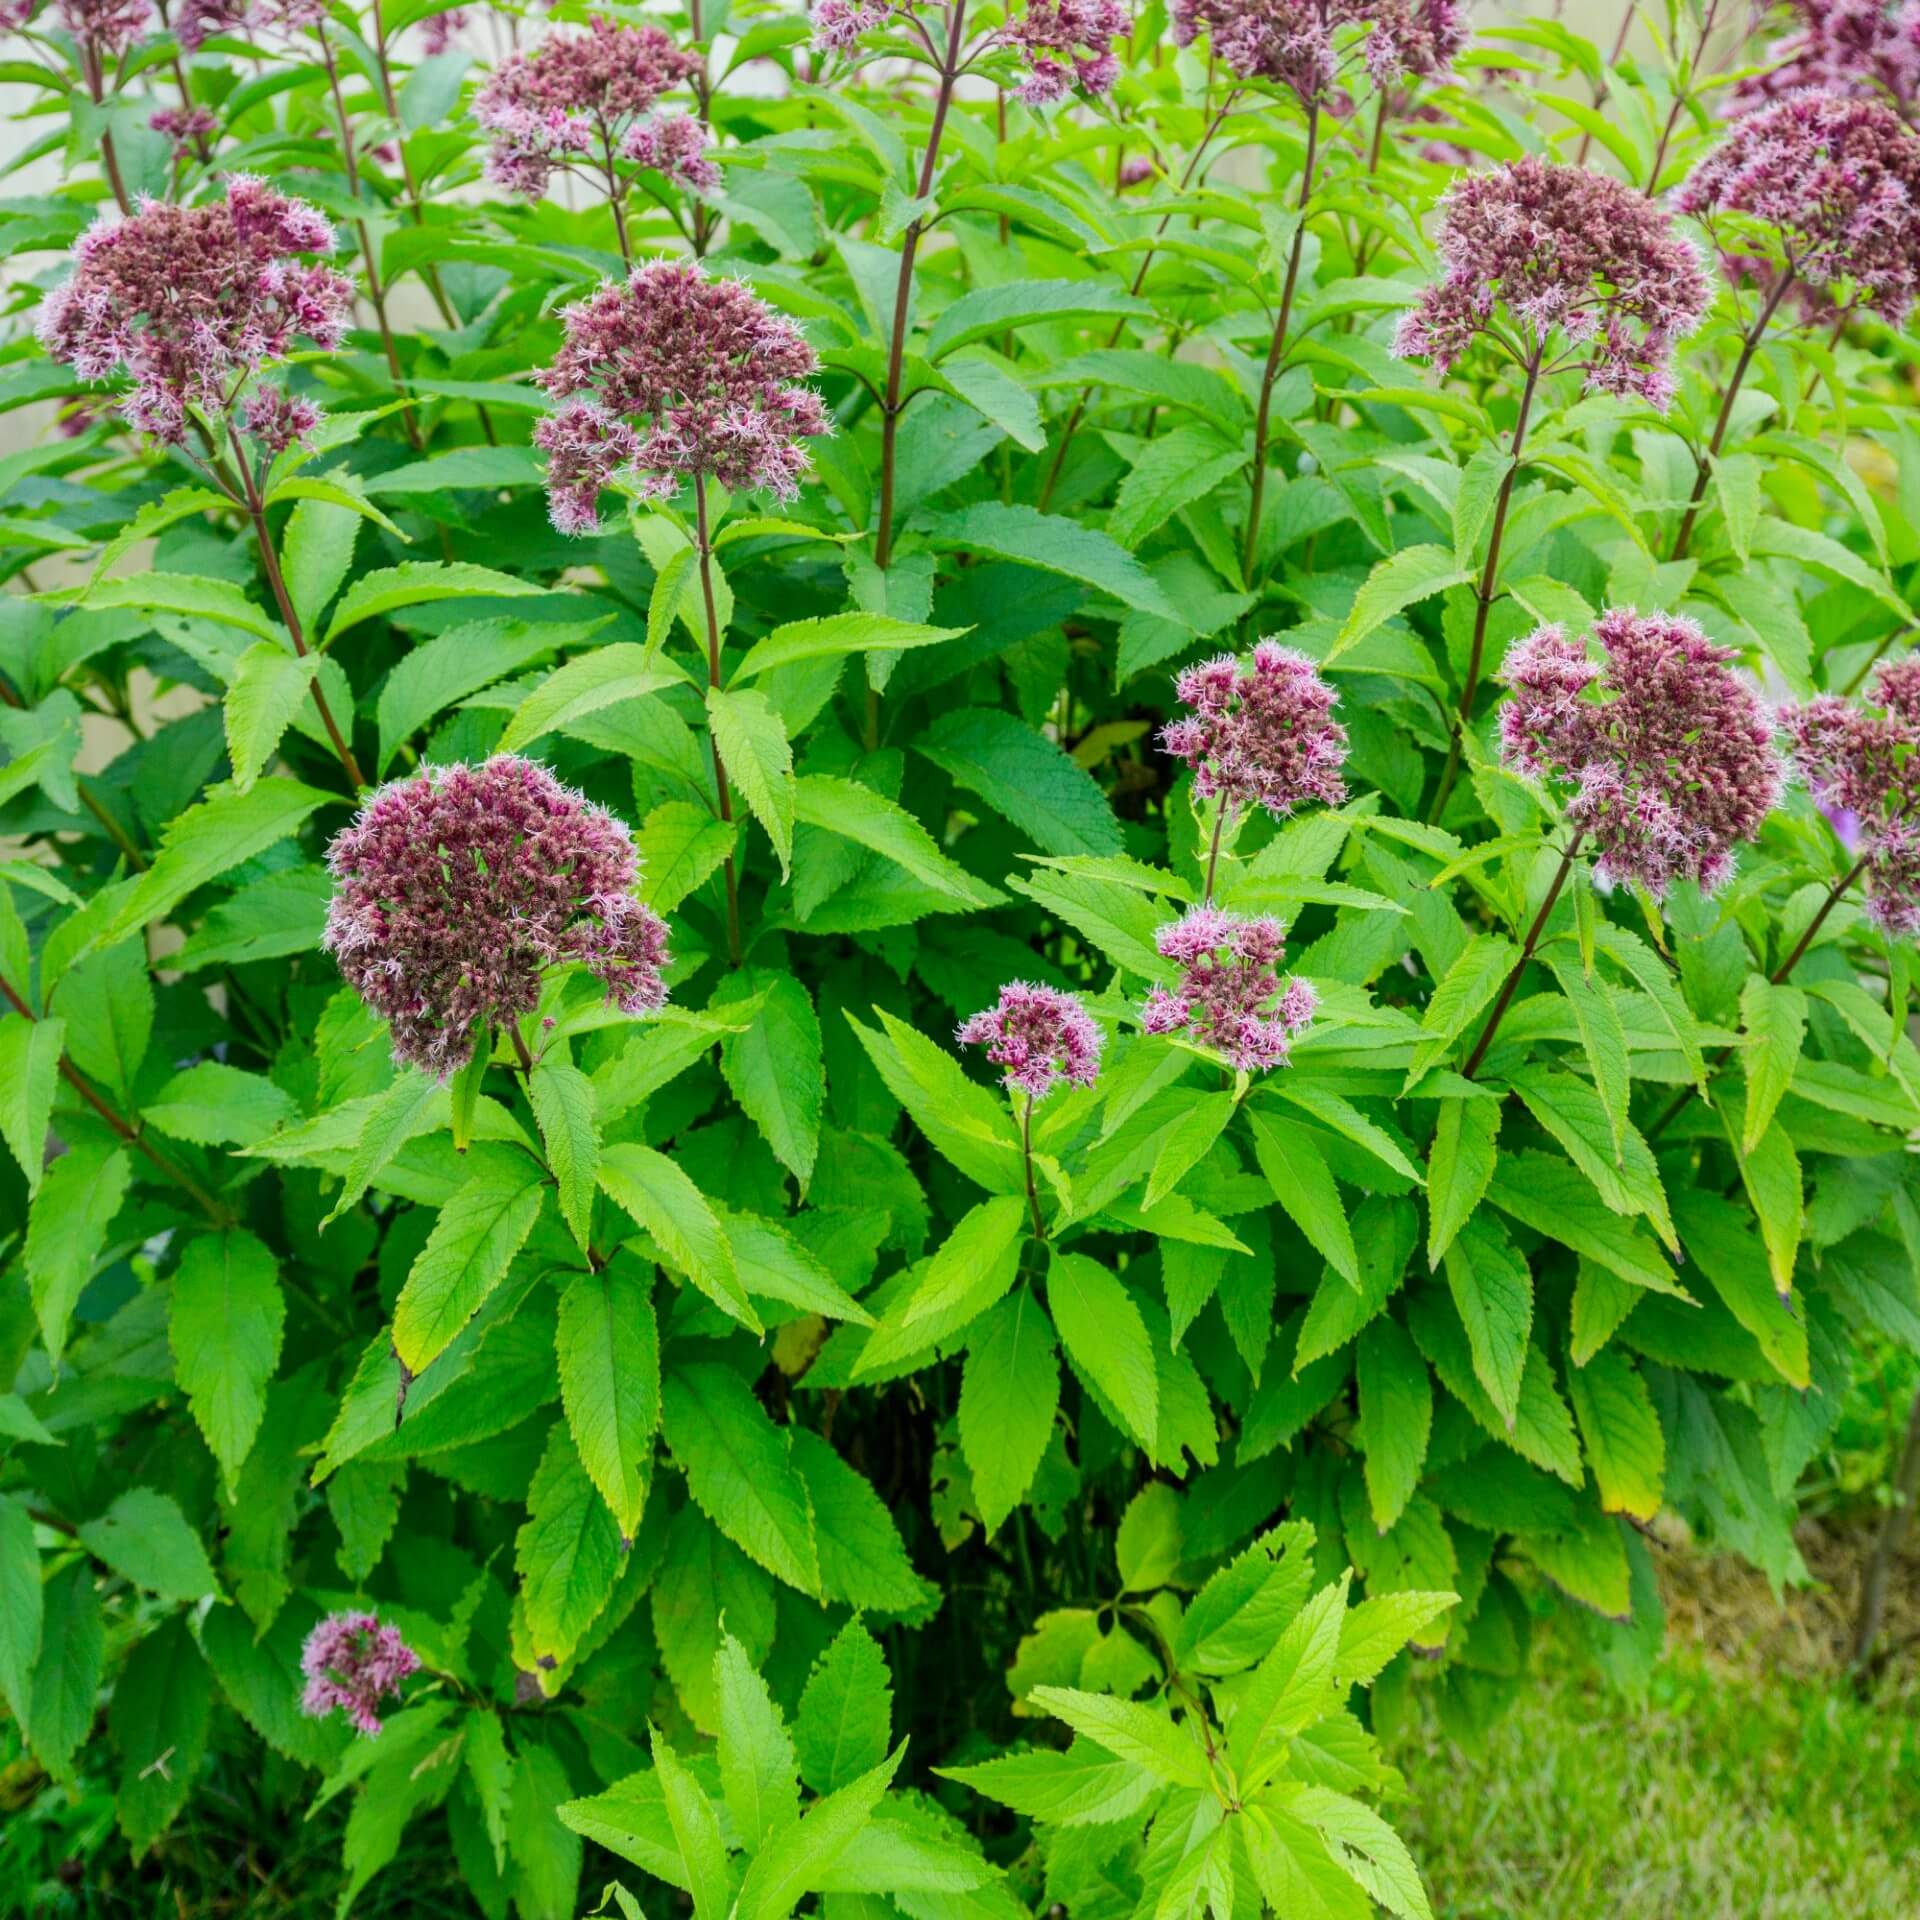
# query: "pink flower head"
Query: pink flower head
574,95
1039,1035
439,31
1866,48
1263,737
712,370
1564,251
1291,42
1668,752
1229,981
257,20
106,28
458,888
184,126
1136,172
838,24
1837,181
276,421
1864,766
190,303
674,144
352,1662
1066,43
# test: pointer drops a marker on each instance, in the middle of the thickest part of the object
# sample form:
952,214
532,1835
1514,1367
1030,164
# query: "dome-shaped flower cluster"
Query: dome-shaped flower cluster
350,1663
1837,180
1870,48
710,368
458,888
192,302
1230,997
1866,764
1260,737
588,96
1563,251
105,29
1292,42
1066,44
1668,753
199,20
1039,1035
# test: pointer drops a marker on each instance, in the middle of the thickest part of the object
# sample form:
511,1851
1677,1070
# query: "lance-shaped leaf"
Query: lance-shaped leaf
608,1348
483,1225
658,1194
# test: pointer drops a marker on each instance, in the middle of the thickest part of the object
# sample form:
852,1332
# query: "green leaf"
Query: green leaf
224,1325
1297,1171
405,1109
1009,1394
1024,777
1770,1172
1492,1290
488,467
756,1754
419,582
740,1471
66,1674
798,1857
1169,474
696,1834
857,813
190,597
1129,1731
563,1105
1414,573
982,1242
1375,1630
1458,1169
483,1745
268,688
1602,1037
658,1194
1461,996
1083,1786
835,636
210,839
29,1072
1051,543
1104,1335
601,677
846,1713
609,1353
863,1560
776,1266
1774,1019
66,1229
1292,1687
752,743
145,1538
162,1703
567,1552
213,1104
774,1068
1396,1416
316,555
987,311
681,846
21,1607
483,1225
961,1119
1622,1432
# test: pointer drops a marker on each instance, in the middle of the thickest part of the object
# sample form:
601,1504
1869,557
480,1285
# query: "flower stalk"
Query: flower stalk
1512,982
703,550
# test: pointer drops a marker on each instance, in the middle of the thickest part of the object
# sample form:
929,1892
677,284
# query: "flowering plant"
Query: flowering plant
930,931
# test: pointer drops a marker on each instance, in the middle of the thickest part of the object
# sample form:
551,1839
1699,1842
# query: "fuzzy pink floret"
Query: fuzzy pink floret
1230,997
1039,1035
1865,763
351,1662
711,369
1066,44
1866,48
1668,753
1260,732
458,888
1291,42
190,302
1838,181
1564,251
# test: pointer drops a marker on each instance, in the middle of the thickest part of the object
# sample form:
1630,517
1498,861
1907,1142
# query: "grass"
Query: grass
1745,1786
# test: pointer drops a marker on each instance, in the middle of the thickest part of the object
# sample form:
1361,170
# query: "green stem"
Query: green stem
704,549
1512,981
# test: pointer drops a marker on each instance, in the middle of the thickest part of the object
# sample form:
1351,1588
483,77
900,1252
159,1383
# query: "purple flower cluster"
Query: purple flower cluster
1291,42
1668,752
192,302
838,24
590,95
1066,43
1864,766
1040,1035
184,126
200,20
710,368
459,887
351,1662
1263,737
1862,47
1228,982
1838,182
105,28
1564,251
